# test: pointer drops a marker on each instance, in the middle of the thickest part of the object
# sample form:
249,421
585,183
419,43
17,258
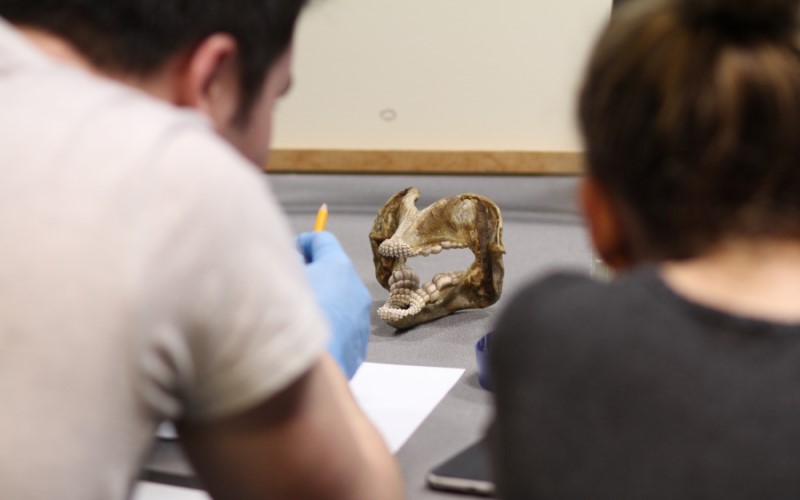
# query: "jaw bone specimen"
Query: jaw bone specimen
401,231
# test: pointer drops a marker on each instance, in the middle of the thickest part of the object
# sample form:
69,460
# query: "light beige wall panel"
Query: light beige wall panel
485,75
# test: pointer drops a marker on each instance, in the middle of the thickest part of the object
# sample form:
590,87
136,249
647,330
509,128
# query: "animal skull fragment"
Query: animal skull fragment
401,231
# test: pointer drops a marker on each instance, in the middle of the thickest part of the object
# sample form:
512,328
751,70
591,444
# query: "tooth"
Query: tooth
443,280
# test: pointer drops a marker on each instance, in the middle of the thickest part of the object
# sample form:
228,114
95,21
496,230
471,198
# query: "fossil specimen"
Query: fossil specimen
401,231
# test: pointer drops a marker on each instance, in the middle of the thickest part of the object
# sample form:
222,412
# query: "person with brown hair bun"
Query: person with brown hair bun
678,378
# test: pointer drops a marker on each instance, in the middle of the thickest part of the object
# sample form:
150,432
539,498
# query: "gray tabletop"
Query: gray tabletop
541,232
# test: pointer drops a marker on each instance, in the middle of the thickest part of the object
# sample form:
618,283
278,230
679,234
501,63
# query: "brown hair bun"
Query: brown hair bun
742,19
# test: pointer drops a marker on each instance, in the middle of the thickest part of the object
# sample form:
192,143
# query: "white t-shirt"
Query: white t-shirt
146,272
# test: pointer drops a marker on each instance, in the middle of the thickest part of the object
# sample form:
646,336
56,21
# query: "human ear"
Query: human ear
606,227
209,79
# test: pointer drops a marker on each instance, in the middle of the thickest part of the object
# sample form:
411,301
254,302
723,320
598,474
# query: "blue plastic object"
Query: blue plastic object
482,354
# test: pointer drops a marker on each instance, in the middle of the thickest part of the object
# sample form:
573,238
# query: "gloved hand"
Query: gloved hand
341,294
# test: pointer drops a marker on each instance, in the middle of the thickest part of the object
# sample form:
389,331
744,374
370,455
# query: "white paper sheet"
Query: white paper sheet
396,398
146,490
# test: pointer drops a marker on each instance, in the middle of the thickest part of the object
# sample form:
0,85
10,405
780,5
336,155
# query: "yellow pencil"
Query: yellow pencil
322,217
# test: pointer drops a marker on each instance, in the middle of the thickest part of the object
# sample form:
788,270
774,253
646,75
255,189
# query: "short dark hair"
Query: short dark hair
690,111
138,36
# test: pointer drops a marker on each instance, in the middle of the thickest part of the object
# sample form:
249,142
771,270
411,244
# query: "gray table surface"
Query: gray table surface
542,232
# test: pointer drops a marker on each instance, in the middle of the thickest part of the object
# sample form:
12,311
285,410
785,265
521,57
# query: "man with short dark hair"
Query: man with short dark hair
147,273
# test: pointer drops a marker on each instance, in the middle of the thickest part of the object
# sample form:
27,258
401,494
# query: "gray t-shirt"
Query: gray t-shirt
146,273
627,390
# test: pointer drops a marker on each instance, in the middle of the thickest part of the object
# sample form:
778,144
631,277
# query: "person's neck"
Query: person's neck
756,279
56,48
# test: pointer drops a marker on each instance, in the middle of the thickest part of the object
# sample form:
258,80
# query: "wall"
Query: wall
438,75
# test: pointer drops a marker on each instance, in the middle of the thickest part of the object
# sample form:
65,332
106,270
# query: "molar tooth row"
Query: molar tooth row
403,277
434,249
404,285
431,291
443,280
447,245
395,247
429,250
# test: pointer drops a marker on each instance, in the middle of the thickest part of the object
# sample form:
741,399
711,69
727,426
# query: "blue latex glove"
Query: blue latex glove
341,294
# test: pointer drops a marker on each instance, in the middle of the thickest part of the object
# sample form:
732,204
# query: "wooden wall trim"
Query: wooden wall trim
425,162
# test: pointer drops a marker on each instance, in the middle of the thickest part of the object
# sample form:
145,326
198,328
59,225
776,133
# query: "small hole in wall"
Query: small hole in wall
388,115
